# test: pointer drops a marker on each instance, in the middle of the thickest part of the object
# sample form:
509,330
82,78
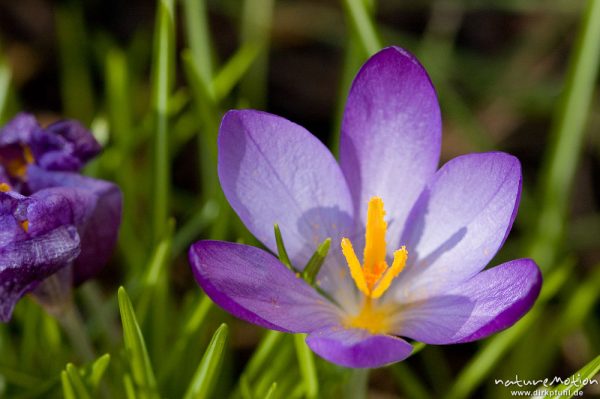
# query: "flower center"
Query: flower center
15,160
374,277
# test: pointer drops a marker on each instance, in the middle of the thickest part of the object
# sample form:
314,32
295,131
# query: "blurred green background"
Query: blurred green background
152,80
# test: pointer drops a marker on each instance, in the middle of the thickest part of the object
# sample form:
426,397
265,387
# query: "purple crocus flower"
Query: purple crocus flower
52,218
421,274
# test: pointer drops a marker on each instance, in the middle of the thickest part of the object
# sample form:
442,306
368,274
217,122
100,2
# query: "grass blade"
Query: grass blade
577,380
362,23
162,81
97,371
77,382
272,389
257,19
209,367
76,83
141,368
233,71
567,138
307,367
267,346
67,387
281,251
190,330
198,37
5,77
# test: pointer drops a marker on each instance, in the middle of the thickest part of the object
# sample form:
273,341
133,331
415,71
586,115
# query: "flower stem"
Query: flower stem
70,320
358,384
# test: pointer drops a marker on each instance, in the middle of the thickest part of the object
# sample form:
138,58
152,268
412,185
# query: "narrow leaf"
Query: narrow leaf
271,390
77,382
307,366
578,381
267,346
363,25
235,68
141,368
162,81
281,251
98,369
68,390
198,36
316,261
209,367
5,77
568,133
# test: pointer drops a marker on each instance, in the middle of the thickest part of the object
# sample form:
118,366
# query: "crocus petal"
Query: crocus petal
358,348
25,263
64,145
254,286
98,227
274,171
18,130
459,222
487,303
391,135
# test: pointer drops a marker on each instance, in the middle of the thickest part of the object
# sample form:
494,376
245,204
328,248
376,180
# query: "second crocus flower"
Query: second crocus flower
53,218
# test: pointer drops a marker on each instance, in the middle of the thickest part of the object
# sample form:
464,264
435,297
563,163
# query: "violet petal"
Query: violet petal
254,286
391,135
358,348
64,145
459,222
98,228
489,302
18,130
274,171
25,263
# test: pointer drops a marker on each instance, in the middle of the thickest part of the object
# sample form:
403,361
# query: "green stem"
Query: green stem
70,320
358,384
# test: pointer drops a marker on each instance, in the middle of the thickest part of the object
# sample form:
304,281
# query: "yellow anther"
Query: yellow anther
400,257
25,225
355,270
28,155
4,188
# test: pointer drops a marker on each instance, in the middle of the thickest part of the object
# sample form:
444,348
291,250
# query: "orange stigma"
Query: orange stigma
375,276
